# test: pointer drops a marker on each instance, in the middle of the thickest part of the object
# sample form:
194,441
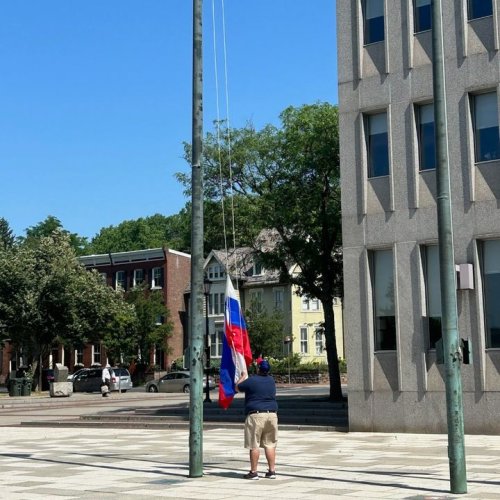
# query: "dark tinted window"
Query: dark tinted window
121,372
373,13
480,8
426,140
423,15
378,146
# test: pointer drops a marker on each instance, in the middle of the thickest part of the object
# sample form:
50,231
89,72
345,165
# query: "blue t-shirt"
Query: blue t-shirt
260,393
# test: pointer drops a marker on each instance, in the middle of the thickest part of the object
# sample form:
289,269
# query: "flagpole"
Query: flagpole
197,291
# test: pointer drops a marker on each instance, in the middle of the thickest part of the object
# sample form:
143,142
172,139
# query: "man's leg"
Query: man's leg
271,458
254,459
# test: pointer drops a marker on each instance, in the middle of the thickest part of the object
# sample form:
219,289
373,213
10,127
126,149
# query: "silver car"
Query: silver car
90,380
176,382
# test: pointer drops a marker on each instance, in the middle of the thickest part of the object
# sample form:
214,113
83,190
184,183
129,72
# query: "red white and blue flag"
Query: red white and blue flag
236,352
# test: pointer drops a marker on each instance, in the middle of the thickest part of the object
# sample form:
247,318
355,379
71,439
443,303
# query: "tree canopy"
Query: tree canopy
48,226
47,297
290,176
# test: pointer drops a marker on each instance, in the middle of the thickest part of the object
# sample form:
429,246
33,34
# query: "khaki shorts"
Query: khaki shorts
261,430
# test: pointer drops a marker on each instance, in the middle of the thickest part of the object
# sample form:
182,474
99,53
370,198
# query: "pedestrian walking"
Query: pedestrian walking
106,381
261,423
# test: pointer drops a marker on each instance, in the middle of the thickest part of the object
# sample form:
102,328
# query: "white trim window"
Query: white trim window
138,276
216,303
257,269
121,280
79,356
303,340
216,342
485,119
318,337
215,271
310,304
157,277
96,354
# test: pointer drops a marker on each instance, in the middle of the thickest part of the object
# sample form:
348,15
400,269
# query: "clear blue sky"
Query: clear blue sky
95,97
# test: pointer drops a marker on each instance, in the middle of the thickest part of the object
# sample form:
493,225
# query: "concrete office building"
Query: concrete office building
391,268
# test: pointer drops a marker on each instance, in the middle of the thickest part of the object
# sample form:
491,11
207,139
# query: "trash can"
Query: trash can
15,386
26,387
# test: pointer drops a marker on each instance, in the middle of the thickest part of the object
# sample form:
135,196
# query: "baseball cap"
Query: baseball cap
264,366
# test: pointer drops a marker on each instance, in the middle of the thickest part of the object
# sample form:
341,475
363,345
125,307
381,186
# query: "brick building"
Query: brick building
162,269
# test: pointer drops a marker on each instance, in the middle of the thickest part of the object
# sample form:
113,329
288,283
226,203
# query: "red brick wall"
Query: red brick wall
177,278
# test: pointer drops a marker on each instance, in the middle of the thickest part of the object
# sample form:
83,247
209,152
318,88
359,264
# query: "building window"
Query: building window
303,339
216,303
373,15
157,280
486,140
96,354
378,145
319,341
256,301
433,293
422,15
216,271
79,356
426,139
138,276
216,343
383,298
491,291
480,8
257,269
278,299
121,280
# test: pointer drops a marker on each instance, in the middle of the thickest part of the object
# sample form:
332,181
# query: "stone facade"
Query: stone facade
398,386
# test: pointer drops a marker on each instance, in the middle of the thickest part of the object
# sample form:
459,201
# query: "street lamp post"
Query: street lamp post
206,288
288,342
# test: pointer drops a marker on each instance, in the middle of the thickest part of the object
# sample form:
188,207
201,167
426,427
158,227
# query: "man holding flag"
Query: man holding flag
261,423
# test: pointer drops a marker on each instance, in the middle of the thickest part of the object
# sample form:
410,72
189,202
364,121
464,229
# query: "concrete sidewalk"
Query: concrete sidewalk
48,463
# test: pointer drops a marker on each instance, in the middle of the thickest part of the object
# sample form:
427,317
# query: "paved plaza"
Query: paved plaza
90,463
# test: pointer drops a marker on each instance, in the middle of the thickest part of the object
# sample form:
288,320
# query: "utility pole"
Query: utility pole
449,316
196,298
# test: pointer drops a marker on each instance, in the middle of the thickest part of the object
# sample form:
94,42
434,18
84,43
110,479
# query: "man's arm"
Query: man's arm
244,376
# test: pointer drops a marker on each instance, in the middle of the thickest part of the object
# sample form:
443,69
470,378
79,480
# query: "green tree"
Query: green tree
155,231
292,176
47,227
7,238
265,332
153,324
47,297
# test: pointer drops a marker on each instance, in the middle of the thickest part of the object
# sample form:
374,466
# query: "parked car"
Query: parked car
90,380
71,376
176,382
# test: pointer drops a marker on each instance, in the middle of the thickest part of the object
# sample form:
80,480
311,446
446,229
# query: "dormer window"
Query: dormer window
257,269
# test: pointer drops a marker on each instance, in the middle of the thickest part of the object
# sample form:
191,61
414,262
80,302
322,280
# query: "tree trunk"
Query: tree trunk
331,352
